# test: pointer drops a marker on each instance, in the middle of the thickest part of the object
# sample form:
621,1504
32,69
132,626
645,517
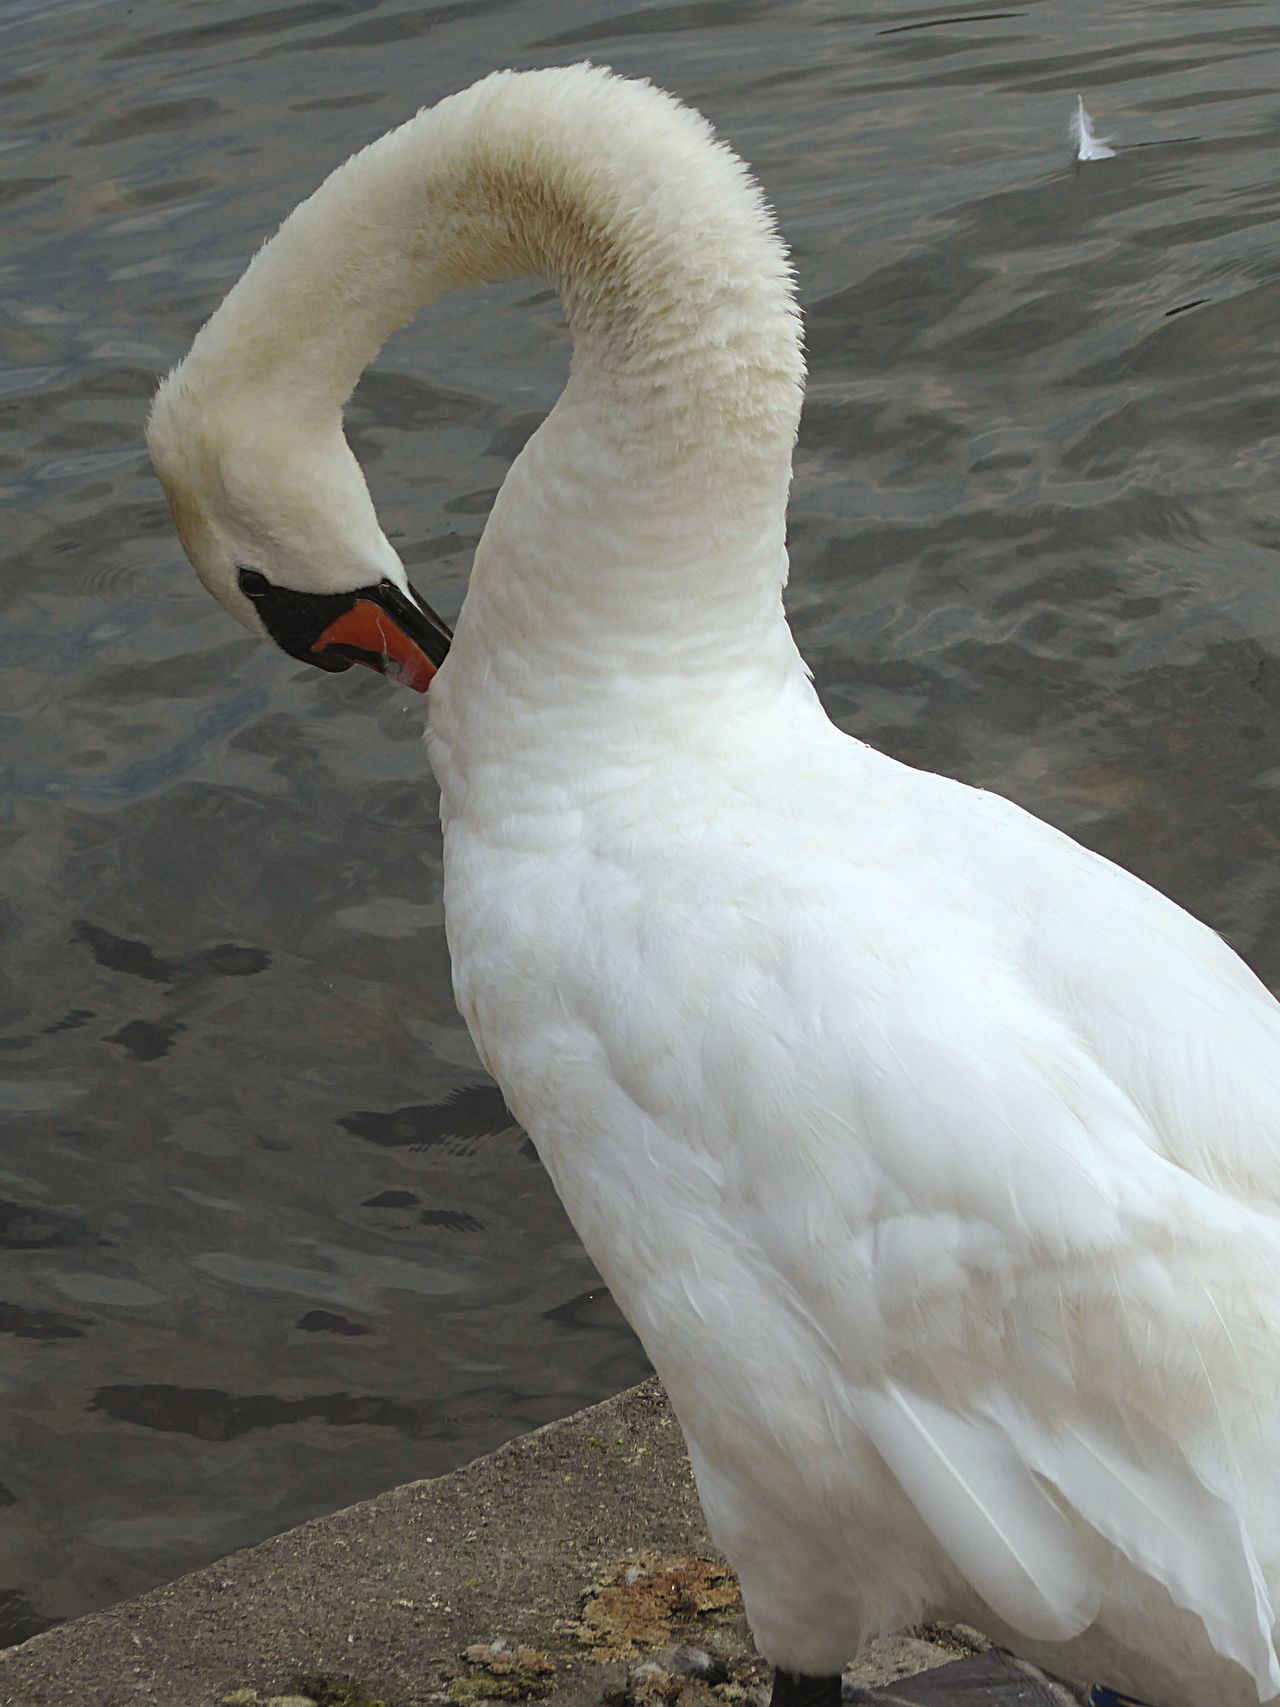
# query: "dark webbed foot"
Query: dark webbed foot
791,1689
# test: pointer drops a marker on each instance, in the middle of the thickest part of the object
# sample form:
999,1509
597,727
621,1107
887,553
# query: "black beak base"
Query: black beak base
378,626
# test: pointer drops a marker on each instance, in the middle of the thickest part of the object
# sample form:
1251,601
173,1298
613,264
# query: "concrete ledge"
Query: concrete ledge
582,1543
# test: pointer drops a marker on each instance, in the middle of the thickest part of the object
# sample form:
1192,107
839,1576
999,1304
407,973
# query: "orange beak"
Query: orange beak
373,634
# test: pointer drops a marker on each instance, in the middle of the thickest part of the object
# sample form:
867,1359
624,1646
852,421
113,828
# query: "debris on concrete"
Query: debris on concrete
642,1601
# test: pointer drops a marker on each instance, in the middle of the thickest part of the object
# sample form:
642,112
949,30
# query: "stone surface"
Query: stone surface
569,1566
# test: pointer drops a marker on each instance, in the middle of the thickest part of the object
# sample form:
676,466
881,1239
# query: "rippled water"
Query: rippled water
267,1239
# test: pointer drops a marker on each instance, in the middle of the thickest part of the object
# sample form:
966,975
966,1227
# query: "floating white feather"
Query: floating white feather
1089,146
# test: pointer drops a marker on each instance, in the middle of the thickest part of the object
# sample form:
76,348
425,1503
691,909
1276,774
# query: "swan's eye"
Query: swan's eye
253,583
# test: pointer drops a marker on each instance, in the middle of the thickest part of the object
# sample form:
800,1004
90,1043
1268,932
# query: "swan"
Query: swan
934,1159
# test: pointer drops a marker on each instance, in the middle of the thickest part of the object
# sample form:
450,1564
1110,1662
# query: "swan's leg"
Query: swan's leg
791,1689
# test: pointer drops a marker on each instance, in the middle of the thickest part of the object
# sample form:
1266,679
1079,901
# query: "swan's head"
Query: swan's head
279,525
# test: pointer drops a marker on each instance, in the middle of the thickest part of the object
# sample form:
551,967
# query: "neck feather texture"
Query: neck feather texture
672,441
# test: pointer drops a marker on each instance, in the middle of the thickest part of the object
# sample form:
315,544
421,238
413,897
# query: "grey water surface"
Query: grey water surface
268,1239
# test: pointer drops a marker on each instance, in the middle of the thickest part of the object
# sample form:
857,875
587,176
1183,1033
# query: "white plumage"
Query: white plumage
934,1159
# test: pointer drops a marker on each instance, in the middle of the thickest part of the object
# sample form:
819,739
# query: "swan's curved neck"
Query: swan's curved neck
672,443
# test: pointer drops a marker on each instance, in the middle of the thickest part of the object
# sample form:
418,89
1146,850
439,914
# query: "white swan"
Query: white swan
935,1160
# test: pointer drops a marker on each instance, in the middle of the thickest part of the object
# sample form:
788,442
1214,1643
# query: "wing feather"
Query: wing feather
1166,1519
989,1514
